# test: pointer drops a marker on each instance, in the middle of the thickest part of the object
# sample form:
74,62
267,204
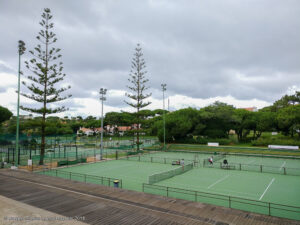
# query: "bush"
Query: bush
134,152
265,141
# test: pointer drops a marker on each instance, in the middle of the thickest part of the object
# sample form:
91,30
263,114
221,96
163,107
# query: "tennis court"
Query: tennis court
132,173
257,191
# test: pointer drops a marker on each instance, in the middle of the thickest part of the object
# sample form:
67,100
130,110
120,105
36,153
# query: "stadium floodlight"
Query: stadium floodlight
102,98
164,89
21,50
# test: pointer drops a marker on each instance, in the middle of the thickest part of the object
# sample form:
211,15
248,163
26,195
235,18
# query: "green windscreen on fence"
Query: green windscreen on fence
168,174
271,209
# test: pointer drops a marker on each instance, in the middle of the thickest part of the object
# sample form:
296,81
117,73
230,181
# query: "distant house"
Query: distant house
110,129
251,109
123,129
89,131
135,126
85,131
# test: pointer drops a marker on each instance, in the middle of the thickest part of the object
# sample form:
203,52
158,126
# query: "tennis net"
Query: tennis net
154,178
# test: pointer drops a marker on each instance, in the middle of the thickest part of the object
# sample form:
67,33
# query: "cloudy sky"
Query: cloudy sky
245,53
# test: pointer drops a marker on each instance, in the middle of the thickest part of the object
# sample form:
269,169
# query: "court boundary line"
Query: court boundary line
267,188
218,181
283,164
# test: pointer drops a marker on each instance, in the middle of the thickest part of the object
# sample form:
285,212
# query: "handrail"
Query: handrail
229,199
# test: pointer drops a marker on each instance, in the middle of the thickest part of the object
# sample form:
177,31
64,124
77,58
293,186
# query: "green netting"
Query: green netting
168,174
254,168
272,209
106,181
152,159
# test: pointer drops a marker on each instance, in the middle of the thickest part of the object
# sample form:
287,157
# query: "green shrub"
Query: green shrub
265,141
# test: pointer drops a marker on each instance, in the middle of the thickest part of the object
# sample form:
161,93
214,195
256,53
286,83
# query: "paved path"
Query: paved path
107,205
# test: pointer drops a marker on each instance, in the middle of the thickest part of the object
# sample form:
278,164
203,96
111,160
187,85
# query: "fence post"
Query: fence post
18,156
240,166
70,175
84,178
167,191
165,160
284,171
229,201
151,159
139,158
269,209
56,173
195,196
143,187
109,181
261,168
76,153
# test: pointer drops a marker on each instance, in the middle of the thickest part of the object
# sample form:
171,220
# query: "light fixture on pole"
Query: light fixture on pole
21,50
102,98
164,89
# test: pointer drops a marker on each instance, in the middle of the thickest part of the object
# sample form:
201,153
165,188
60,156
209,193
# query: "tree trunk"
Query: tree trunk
43,141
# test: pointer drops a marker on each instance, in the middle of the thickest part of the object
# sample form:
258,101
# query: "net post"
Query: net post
229,201
284,170
195,196
269,204
261,168
240,166
167,191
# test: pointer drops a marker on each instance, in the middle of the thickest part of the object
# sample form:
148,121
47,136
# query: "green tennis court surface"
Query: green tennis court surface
247,190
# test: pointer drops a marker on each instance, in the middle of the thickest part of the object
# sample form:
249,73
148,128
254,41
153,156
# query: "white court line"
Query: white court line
218,181
282,165
267,189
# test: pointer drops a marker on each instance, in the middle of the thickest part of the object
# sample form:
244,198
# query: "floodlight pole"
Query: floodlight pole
21,50
164,118
102,98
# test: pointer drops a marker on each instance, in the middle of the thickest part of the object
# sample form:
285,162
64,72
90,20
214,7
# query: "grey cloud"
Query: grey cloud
195,48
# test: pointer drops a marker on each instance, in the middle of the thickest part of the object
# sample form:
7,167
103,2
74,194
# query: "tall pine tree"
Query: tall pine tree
46,75
138,87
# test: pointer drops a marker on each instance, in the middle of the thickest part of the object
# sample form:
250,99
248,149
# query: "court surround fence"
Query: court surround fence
154,159
106,181
267,208
254,168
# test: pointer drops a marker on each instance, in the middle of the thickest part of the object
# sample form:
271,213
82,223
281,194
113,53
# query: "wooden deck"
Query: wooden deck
107,205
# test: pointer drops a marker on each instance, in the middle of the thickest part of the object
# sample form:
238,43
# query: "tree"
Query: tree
5,114
45,76
243,123
138,88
